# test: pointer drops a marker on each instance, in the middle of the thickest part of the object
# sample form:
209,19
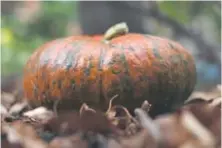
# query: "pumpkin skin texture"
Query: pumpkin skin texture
136,67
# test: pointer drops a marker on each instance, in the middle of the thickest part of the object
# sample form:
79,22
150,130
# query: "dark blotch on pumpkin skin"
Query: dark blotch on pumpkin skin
101,59
88,68
115,61
126,81
156,51
124,87
59,84
53,82
44,95
185,62
119,59
130,48
155,47
172,46
73,84
68,60
71,55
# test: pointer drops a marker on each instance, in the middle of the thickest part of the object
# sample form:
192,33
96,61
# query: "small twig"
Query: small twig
85,107
127,113
110,103
197,129
148,124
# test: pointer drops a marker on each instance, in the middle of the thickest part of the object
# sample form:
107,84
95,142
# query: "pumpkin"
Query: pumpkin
92,69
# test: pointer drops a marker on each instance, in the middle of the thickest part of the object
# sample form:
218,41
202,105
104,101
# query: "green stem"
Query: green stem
116,30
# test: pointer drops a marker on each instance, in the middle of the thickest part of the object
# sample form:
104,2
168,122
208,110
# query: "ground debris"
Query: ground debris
195,125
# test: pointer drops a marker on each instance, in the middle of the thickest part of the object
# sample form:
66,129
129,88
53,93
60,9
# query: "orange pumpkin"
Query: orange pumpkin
92,69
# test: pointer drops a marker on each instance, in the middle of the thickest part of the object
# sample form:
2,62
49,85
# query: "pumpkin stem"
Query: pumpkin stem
116,30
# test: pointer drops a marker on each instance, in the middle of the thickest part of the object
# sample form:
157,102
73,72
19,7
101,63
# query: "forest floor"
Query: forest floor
195,125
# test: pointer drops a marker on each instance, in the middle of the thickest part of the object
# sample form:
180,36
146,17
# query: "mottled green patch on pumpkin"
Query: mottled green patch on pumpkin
185,63
116,60
156,53
46,55
171,45
69,60
125,83
101,59
156,50
53,82
70,56
89,67
116,71
176,58
72,82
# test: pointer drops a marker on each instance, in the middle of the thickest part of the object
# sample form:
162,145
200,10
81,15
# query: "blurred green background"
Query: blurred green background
196,25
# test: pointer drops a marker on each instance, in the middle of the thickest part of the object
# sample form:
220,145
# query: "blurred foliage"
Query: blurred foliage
171,9
20,38
185,12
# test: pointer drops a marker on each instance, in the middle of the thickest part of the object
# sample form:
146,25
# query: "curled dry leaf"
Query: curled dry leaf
173,133
206,95
216,102
204,136
85,107
209,116
147,123
146,106
18,108
7,99
196,125
121,118
40,114
148,137
4,112
68,123
24,135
